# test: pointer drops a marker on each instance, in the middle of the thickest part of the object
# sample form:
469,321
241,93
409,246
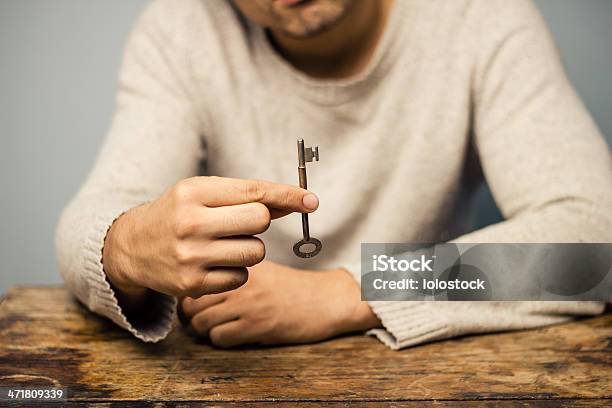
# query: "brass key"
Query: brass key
307,247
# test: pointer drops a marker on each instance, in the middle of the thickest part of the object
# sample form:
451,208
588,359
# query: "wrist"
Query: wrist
114,260
364,318
356,314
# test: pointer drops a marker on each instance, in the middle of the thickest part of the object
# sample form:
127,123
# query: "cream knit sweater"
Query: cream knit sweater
457,92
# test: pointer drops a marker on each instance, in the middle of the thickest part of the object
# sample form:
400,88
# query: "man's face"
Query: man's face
295,18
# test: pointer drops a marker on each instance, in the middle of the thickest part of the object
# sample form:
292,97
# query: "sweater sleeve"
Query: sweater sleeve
153,142
526,114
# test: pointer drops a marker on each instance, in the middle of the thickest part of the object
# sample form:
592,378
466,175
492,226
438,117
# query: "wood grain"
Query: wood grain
47,338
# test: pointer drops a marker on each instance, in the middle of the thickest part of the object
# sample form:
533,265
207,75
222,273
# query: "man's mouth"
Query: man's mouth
293,3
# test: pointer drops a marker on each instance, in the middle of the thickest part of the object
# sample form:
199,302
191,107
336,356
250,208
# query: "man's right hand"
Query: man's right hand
198,238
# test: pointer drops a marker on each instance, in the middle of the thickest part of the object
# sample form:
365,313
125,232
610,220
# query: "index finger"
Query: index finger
282,198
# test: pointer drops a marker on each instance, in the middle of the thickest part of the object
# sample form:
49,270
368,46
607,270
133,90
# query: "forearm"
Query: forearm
575,219
572,220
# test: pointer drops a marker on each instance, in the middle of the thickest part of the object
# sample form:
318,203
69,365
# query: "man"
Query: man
410,101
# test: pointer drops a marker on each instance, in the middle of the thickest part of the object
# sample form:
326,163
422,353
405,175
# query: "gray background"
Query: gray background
59,61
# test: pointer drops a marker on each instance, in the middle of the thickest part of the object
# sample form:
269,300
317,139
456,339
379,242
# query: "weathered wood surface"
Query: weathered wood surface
48,339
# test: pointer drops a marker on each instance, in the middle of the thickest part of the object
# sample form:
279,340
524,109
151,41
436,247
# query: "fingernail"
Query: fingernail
310,201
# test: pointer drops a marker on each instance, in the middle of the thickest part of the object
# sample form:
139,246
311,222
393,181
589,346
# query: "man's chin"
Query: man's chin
311,19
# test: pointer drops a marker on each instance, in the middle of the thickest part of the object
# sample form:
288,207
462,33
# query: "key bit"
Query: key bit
311,153
307,247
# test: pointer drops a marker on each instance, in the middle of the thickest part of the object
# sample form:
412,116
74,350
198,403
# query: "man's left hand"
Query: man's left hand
279,305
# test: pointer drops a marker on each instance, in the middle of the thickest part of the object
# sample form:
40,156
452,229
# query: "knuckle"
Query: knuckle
253,190
186,306
186,284
183,312
182,190
230,222
244,256
259,251
261,217
260,296
185,226
218,338
200,325
267,320
289,197
183,255
249,254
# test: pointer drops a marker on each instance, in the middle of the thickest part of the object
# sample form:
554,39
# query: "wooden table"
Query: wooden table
48,339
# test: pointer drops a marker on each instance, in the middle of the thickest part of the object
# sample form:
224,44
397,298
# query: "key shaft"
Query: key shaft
303,184
306,155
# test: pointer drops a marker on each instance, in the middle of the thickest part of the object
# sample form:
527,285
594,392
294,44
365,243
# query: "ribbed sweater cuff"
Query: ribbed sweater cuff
408,323
405,323
102,297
